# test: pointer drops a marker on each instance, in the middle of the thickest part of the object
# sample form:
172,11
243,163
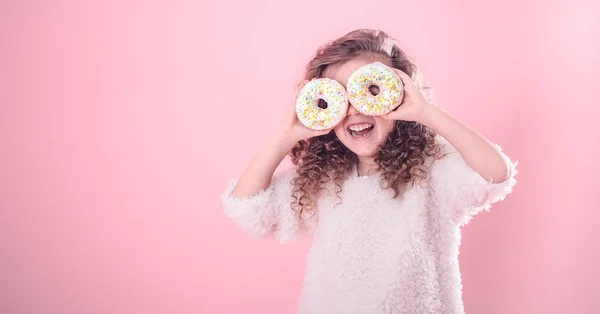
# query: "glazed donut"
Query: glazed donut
375,89
322,104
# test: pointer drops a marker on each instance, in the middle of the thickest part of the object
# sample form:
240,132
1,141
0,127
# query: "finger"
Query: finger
396,114
300,86
409,84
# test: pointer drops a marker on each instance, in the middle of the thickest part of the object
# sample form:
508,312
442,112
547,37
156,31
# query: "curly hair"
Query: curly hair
400,159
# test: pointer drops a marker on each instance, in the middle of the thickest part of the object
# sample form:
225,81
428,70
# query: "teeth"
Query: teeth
360,127
354,134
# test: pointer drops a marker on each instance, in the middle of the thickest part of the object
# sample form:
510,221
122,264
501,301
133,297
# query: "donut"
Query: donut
322,104
375,89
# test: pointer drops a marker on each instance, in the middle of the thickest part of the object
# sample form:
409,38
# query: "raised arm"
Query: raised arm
258,200
474,174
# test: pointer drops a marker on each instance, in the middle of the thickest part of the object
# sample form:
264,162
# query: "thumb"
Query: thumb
396,114
323,132
388,116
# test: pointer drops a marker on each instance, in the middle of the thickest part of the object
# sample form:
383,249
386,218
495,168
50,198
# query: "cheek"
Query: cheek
385,126
339,130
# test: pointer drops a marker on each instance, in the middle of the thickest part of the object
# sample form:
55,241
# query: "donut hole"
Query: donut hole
322,104
374,90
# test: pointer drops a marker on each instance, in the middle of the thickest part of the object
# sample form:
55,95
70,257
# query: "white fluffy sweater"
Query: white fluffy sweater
373,253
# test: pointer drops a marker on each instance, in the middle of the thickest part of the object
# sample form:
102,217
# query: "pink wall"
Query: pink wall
117,134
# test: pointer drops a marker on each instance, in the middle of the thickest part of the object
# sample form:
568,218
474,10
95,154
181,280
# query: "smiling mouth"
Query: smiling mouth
360,130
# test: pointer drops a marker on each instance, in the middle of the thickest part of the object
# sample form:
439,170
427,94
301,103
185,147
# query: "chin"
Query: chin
363,134
364,151
365,146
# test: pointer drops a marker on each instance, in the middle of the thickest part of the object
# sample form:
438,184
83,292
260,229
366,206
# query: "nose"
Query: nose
352,111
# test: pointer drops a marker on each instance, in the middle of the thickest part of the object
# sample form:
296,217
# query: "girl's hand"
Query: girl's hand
414,106
292,126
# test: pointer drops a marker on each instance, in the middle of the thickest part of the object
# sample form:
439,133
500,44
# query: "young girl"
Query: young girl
383,205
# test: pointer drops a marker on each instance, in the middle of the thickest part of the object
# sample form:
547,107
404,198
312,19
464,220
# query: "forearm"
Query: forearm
477,151
259,172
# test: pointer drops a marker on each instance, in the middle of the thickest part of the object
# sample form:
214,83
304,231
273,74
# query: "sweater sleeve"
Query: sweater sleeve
462,191
268,212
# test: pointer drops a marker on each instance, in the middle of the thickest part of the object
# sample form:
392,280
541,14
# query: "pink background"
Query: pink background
120,122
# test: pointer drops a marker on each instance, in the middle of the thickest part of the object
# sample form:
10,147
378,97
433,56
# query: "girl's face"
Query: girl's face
359,133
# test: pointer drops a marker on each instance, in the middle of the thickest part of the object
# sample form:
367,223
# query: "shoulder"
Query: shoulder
445,155
288,172
445,146
283,177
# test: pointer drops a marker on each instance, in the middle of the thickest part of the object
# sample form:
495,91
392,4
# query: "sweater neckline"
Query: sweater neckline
359,177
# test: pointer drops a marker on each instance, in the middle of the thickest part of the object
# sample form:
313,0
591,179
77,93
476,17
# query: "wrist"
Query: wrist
285,139
430,115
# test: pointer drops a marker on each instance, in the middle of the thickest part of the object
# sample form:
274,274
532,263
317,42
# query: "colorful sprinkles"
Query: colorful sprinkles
391,89
307,104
